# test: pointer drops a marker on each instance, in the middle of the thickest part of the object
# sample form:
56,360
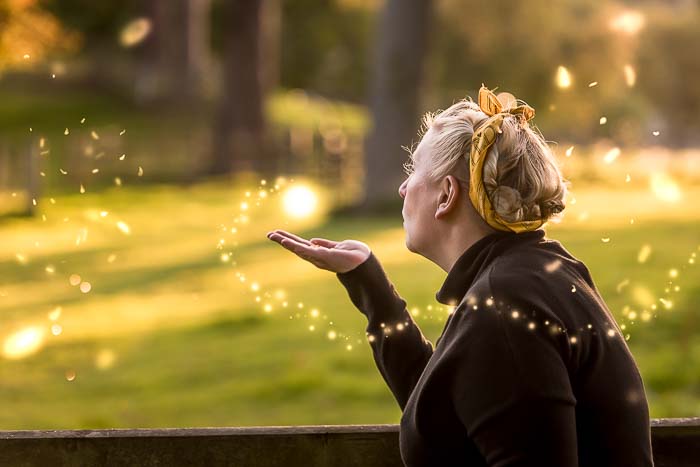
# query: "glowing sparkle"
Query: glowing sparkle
665,188
23,342
55,313
611,155
121,225
569,151
255,287
603,120
105,359
85,287
628,22
515,314
673,273
605,239
56,329
552,265
644,253
563,77
314,313
70,375
299,201
630,75
332,335
621,285
74,279
134,32
611,332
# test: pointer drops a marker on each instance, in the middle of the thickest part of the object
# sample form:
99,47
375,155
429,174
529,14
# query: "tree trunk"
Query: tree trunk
397,69
177,52
239,130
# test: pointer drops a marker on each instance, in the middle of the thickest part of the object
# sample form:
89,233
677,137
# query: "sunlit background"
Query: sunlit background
147,147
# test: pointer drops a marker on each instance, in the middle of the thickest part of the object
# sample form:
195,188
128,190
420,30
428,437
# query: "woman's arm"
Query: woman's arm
401,352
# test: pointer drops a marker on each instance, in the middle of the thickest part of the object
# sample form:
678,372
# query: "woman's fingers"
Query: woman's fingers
304,250
324,242
290,235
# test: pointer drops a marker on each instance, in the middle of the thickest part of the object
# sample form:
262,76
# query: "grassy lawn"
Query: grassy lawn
168,335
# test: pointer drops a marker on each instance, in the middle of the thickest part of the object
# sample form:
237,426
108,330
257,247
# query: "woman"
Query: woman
531,368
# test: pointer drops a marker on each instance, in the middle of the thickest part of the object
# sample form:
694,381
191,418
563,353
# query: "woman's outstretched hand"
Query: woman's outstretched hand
324,254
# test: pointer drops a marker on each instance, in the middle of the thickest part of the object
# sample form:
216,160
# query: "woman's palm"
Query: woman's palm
325,254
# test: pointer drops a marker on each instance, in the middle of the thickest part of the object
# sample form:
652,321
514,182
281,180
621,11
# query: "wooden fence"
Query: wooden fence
676,443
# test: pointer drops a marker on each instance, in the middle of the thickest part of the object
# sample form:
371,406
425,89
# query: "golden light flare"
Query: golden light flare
644,253
135,32
665,188
105,358
299,201
55,313
74,279
642,296
628,22
23,343
124,227
630,75
611,155
563,77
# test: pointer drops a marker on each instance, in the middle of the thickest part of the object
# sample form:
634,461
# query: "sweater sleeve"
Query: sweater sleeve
400,350
511,388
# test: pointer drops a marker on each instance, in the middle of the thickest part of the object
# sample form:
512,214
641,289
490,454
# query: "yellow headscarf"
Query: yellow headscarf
481,142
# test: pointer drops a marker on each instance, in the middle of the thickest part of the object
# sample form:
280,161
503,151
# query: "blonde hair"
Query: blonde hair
521,175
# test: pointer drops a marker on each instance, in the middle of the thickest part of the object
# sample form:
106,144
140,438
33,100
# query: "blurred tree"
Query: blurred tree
239,141
177,59
325,46
402,44
28,33
670,63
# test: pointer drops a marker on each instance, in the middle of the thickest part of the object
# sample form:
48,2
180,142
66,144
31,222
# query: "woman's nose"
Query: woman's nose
402,189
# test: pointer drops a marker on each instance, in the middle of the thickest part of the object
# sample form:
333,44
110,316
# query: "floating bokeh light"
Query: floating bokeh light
665,188
563,77
300,201
135,32
23,342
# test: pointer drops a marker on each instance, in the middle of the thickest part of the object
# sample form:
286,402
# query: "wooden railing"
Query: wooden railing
676,443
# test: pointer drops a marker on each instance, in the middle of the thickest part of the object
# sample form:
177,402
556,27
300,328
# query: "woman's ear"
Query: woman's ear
448,196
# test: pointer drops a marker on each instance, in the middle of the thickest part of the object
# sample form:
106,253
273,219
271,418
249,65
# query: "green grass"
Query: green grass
192,347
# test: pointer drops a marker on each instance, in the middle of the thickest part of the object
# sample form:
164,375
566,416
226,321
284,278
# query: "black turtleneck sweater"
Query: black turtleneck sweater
531,368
